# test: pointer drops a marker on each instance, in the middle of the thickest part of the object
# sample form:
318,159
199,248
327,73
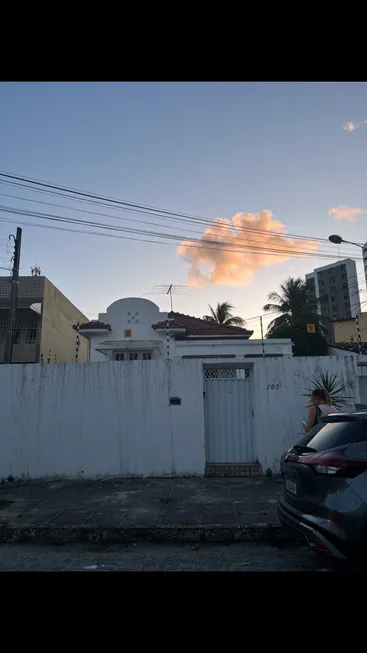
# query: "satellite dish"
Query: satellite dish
37,308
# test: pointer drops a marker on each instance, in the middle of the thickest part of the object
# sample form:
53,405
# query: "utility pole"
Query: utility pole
262,336
13,295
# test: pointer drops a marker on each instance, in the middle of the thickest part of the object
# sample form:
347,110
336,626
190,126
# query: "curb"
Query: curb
173,533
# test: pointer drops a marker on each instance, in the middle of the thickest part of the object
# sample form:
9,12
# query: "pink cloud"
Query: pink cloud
347,212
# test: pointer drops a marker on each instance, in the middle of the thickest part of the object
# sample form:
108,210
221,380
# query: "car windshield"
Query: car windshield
336,434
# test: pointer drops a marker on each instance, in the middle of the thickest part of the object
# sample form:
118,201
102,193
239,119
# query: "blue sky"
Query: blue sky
206,149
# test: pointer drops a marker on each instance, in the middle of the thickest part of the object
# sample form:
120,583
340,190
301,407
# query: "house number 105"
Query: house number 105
273,386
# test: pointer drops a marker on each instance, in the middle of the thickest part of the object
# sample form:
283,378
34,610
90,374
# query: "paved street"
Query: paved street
160,557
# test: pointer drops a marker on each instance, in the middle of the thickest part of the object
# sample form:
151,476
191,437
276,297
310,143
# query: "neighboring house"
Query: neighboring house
334,288
135,329
345,331
45,337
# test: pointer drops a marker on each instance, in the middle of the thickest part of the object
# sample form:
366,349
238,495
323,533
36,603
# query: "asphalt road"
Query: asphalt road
156,557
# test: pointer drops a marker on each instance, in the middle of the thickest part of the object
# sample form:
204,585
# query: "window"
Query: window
16,336
32,335
345,286
332,279
332,298
346,296
332,288
133,356
343,276
336,434
334,308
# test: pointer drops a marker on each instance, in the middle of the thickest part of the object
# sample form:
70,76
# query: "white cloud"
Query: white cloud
347,212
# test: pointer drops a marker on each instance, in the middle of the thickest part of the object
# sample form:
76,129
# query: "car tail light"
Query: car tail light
333,463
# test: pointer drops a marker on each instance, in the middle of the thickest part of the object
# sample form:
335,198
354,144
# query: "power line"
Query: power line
210,244
117,217
43,186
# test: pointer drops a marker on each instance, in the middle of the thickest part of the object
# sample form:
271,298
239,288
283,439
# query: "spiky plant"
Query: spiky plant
333,386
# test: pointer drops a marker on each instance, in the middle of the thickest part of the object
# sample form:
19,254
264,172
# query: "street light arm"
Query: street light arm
349,242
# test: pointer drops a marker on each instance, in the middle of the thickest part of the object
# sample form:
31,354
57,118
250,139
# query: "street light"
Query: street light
337,240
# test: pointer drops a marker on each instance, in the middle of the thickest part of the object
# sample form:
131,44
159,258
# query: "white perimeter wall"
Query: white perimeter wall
112,418
91,419
279,387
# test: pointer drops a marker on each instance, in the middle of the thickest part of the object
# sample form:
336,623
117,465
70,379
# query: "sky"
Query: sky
280,157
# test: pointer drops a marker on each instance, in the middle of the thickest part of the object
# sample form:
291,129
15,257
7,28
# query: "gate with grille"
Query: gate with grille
228,416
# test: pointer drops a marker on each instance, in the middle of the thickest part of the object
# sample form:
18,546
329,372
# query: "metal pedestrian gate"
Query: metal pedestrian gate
228,415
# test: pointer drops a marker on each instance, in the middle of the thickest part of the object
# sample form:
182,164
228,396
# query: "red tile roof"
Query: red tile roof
195,326
93,324
352,347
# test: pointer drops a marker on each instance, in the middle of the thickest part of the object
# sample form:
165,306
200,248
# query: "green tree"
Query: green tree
222,314
294,313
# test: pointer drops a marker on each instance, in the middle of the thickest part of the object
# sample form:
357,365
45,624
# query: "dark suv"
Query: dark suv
325,485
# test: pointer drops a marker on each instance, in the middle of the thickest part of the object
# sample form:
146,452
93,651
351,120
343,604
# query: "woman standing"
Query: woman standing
322,406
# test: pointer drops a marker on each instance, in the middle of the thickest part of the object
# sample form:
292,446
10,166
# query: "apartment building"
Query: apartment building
334,288
46,335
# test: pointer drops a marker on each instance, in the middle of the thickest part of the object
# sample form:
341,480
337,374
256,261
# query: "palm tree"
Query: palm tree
293,306
223,315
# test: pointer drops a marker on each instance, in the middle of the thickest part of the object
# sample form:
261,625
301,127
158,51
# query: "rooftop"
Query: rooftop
195,326
93,324
352,347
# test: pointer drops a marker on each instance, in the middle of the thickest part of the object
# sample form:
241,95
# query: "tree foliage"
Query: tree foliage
222,314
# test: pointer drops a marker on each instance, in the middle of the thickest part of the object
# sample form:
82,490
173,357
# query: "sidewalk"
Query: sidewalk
132,510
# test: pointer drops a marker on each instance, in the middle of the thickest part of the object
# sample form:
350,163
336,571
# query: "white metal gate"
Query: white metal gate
228,415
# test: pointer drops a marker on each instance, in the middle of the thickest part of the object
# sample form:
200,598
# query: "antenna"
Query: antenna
170,290
35,271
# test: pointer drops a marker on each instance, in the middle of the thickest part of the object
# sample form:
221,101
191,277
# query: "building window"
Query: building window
345,286
133,356
332,298
332,288
346,296
32,335
334,308
332,279
16,336
343,276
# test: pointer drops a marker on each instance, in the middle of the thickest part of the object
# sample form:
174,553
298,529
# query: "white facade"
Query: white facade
129,335
153,418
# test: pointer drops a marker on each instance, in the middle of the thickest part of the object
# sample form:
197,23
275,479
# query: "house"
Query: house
44,333
135,329
345,331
